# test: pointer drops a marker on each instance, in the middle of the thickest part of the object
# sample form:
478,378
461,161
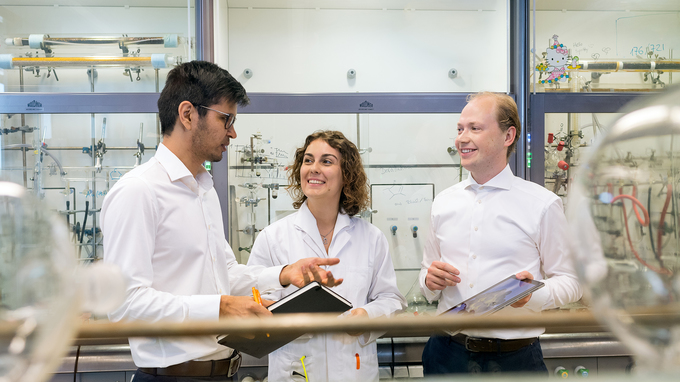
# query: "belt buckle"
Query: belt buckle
234,364
467,343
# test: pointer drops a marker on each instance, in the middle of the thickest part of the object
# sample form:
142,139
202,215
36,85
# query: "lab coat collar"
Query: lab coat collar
502,180
178,171
306,222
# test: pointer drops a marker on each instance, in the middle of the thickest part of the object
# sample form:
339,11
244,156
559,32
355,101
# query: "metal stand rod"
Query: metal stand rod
323,323
311,323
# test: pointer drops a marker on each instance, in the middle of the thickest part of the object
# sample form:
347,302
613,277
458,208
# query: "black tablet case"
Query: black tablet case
312,298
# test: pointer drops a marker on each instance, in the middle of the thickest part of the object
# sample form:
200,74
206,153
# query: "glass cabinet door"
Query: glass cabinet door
92,46
77,82
604,46
335,46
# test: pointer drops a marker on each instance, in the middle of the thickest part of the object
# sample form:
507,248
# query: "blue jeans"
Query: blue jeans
444,356
144,377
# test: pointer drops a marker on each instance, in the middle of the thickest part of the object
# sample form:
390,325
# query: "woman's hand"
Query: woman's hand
358,312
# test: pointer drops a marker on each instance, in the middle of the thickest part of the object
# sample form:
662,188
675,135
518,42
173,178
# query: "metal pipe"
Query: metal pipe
629,66
316,323
23,133
51,41
158,119
54,62
518,74
94,178
72,148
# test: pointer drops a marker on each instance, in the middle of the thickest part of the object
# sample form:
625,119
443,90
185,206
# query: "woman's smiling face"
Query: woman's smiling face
321,172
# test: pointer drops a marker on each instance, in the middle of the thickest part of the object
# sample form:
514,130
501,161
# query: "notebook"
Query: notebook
312,298
504,293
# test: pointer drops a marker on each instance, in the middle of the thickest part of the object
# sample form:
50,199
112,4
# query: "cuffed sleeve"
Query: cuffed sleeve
204,307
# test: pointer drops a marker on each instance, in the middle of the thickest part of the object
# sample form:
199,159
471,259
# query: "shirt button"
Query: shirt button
479,202
481,187
471,285
474,256
475,228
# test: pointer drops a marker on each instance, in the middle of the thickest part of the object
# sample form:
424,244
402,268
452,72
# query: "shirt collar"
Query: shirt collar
307,222
503,180
178,171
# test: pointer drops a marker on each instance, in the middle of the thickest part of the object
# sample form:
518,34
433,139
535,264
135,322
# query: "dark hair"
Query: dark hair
506,114
355,191
201,83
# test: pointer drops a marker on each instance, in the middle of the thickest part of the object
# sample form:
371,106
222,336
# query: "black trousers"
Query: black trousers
144,377
444,356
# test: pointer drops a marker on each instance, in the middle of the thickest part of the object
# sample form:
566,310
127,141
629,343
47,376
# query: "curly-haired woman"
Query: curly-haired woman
329,186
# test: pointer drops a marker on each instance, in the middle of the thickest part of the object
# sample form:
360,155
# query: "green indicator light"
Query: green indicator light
528,160
207,165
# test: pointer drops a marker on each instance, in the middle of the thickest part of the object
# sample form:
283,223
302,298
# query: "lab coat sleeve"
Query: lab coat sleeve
561,284
431,253
262,254
384,296
129,219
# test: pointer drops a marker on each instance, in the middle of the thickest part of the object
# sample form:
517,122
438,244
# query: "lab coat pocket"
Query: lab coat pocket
356,284
293,361
353,362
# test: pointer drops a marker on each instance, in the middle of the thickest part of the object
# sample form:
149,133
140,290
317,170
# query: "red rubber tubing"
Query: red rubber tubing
630,242
635,208
644,222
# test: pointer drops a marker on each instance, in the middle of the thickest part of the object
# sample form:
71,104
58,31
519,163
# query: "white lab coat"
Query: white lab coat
369,282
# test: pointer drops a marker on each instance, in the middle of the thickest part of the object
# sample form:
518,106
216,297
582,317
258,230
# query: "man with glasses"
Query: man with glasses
162,226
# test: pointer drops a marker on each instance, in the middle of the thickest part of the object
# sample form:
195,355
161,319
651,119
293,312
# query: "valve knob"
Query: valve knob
581,371
563,165
561,145
561,372
551,137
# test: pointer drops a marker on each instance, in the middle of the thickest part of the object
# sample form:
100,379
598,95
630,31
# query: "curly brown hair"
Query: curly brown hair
355,190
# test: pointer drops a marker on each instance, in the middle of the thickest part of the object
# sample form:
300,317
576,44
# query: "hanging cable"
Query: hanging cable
660,232
649,207
630,242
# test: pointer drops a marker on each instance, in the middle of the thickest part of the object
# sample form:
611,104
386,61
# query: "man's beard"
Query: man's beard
199,143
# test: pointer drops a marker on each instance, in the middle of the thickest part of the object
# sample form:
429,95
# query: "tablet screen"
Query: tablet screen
496,297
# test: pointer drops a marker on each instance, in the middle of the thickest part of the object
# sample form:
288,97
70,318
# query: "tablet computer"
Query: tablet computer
497,297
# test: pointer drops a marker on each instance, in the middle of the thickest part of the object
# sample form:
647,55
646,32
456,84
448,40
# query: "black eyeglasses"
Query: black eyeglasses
229,122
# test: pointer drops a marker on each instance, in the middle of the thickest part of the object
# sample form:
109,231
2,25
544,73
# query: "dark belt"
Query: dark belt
222,367
491,345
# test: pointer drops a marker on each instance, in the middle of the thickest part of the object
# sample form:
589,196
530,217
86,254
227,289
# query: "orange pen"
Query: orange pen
256,296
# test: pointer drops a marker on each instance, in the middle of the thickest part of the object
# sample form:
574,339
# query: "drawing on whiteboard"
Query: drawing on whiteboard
395,190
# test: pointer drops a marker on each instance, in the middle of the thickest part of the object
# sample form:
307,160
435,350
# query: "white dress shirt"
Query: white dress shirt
369,282
491,231
163,228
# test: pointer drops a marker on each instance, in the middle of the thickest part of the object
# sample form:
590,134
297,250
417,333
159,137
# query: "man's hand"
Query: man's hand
242,306
358,312
441,275
304,271
522,276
